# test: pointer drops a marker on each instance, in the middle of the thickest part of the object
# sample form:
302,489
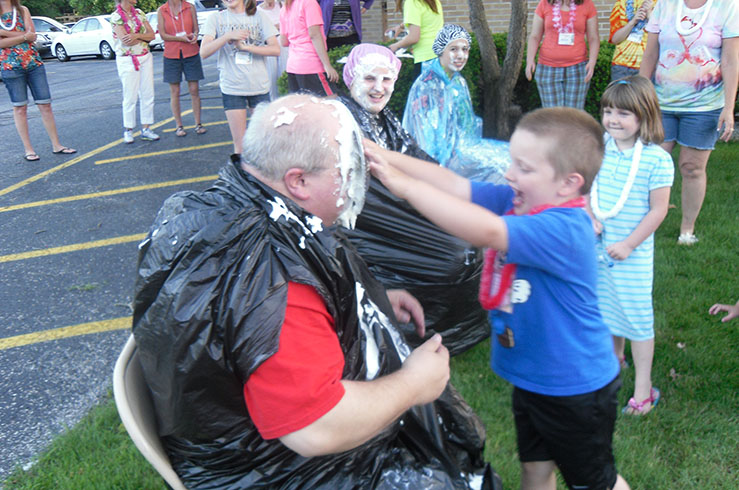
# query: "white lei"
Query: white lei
698,25
12,24
635,158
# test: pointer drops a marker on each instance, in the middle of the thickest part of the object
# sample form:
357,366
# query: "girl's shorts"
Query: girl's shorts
18,81
697,130
174,68
241,102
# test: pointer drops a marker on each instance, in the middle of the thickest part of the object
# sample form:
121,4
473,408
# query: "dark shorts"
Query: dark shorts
619,71
174,68
314,83
697,130
241,102
574,431
19,81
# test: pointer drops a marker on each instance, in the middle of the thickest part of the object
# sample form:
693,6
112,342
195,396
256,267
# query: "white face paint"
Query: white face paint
353,171
455,55
374,82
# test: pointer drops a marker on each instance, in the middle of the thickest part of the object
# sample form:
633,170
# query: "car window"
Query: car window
41,25
80,26
93,25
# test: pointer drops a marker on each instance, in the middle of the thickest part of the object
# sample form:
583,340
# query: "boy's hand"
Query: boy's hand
619,251
396,181
732,310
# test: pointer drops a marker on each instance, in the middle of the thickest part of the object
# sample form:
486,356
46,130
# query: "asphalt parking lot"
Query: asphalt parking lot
69,230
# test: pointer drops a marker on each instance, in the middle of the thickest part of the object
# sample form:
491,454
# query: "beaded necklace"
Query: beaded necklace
557,17
12,23
602,216
137,23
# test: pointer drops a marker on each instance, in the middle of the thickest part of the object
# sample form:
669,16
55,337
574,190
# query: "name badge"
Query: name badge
181,34
243,58
566,38
636,36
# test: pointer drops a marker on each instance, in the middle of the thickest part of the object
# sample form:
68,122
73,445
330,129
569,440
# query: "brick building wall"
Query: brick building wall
457,12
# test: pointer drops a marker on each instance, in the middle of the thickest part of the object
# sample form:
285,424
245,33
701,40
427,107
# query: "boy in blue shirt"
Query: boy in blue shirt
539,283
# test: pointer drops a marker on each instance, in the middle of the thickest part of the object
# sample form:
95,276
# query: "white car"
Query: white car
47,29
89,36
157,42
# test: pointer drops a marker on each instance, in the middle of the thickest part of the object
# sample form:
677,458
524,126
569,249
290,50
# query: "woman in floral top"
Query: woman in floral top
131,36
22,69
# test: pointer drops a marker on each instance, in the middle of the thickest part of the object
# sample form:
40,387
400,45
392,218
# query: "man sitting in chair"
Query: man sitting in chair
270,351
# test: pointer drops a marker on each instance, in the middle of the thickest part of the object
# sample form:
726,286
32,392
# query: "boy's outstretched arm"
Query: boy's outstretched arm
436,175
453,213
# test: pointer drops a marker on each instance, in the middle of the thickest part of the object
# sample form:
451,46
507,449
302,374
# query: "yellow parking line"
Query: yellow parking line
164,152
64,332
214,123
72,248
113,192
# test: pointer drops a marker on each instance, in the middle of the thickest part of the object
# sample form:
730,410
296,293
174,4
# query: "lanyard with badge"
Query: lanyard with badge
240,57
181,32
566,34
637,33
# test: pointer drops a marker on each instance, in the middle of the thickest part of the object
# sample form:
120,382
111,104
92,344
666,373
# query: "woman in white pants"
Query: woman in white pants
131,36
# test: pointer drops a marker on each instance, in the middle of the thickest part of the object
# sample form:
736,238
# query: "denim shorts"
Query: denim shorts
173,69
619,71
241,102
697,130
18,81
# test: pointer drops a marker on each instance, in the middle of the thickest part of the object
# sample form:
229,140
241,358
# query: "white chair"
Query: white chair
137,413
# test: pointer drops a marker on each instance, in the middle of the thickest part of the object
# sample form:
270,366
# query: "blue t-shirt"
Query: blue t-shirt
559,345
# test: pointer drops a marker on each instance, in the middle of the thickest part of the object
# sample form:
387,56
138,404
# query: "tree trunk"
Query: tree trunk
498,83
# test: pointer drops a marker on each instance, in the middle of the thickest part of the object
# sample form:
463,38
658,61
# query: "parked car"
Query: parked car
89,36
47,29
203,11
157,42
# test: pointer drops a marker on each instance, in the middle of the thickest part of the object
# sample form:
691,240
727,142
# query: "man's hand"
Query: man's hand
732,310
406,307
427,370
395,180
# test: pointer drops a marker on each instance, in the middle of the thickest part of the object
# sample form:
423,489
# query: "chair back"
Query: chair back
136,410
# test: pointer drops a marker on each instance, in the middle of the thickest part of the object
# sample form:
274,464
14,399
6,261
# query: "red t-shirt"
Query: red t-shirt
551,52
302,381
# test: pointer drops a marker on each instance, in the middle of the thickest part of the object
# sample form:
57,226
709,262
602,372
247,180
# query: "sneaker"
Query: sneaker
149,135
687,239
128,136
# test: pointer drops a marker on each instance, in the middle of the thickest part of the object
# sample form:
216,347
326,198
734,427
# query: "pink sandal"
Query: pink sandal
640,408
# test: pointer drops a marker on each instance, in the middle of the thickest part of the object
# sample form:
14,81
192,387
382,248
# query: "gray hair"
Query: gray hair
278,139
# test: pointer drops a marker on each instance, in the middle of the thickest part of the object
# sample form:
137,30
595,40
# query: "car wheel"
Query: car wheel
106,51
61,53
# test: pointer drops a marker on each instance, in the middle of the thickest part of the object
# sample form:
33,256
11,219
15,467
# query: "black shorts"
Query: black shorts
314,83
576,432
174,68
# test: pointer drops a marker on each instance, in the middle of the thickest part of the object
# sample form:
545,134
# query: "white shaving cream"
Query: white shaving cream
284,116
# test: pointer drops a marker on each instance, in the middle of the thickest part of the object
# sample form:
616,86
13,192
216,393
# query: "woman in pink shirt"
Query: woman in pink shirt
308,66
565,64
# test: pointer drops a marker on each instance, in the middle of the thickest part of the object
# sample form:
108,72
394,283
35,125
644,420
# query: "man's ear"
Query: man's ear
572,184
296,184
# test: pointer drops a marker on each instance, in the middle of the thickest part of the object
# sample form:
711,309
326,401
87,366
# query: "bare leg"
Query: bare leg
237,124
538,475
47,117
643,353
20,116
195,97
174,103
619,346
621,484
692,165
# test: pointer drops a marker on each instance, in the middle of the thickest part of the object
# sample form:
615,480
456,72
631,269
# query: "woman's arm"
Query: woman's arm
271,49
537,31
30,27
316,37
414,34
659,200
650,56
730,74
642,14
17,37
591,32
161,27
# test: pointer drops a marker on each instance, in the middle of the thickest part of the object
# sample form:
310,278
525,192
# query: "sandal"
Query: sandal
32,157
64,151
199,129
687,239
180,131
643,407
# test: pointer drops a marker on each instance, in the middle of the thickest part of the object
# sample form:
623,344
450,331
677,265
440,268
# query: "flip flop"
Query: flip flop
640,408
32,157
199,129
64,151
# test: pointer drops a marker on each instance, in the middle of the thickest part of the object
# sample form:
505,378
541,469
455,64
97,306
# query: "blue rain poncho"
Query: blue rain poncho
439,116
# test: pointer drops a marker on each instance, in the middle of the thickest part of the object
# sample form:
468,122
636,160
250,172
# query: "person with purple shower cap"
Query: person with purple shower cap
403,249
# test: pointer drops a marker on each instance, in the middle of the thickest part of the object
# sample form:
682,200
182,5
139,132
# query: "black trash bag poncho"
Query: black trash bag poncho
210,301
404,250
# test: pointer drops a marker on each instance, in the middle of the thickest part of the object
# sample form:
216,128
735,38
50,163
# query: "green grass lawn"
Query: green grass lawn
688,442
